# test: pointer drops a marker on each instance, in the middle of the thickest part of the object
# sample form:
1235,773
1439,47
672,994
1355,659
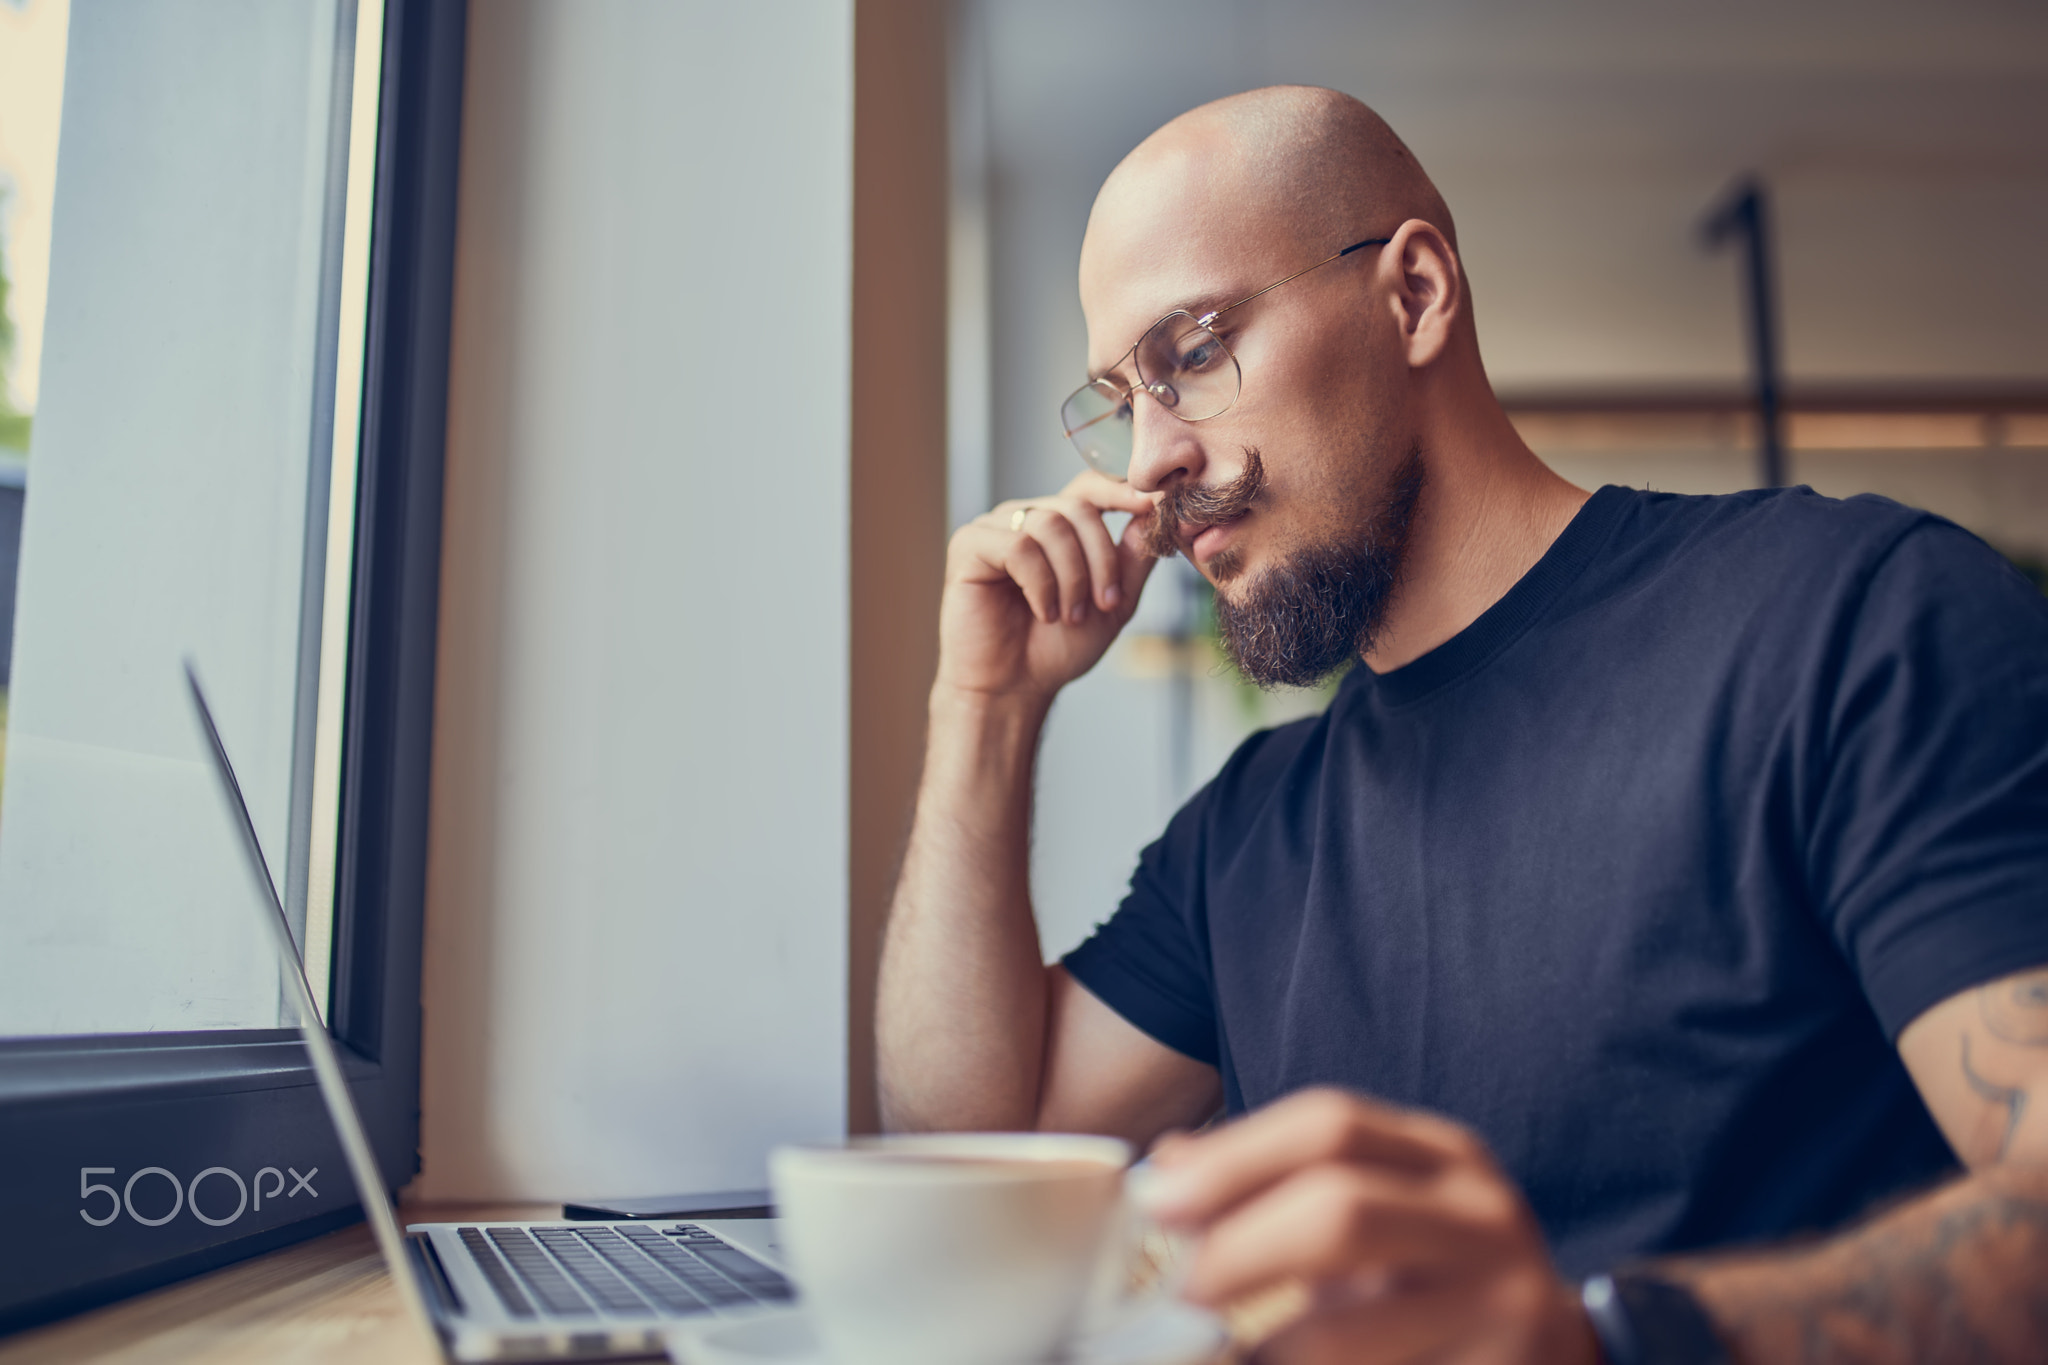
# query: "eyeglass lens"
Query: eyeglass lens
1180,363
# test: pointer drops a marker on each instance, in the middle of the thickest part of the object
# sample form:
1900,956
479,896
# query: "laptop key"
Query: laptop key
654,1284
762,1281
713,1289
583,1265
759,1280
702,1280
539,1272
493,1268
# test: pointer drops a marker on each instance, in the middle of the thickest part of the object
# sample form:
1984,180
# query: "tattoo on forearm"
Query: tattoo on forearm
2014,1101
1960,1276
2016,1009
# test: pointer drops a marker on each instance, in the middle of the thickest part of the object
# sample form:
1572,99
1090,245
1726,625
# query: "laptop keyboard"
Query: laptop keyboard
631,1270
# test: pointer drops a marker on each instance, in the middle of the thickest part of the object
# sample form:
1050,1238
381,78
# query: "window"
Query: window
233,443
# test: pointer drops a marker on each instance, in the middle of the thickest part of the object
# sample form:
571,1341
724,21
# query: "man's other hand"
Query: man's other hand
1413,1244
1032,601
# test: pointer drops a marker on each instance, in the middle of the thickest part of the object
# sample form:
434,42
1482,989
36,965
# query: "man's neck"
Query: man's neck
1488,511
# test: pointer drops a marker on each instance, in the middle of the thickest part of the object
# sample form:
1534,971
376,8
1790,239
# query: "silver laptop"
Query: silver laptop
522,1291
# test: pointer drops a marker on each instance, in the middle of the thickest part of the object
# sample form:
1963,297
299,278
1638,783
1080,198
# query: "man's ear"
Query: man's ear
1429,289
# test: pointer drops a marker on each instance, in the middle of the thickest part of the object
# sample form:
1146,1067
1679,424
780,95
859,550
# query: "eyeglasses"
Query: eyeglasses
1181,363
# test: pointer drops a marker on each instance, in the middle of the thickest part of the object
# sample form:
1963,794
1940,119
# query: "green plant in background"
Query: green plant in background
14,424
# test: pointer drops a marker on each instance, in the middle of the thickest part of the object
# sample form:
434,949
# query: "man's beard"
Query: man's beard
1321,607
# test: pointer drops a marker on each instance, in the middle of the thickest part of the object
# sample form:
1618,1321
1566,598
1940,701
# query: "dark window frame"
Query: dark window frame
238,1100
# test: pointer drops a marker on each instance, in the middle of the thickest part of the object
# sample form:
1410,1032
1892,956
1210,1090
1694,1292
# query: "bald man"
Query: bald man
1672,874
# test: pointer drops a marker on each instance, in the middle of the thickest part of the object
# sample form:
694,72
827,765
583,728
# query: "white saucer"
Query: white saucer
1171,1334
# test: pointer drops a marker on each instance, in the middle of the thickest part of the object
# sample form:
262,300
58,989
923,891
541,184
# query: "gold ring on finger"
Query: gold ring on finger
1017,518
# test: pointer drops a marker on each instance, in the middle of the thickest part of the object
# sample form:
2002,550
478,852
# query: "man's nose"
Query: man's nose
1163,447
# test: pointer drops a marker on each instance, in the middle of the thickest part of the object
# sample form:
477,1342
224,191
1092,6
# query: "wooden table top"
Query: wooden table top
328,1301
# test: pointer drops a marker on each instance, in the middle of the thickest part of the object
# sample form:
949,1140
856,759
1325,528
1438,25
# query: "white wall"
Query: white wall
636,925
166,515
1577,143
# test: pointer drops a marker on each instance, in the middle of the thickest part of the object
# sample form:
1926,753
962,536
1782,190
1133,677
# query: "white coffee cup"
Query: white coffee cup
956,1248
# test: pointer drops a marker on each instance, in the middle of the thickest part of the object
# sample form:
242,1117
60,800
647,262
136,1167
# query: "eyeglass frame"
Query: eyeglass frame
1202,322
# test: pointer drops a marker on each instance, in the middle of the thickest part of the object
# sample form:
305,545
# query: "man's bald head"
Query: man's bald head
1320,162
1296,498
1292,171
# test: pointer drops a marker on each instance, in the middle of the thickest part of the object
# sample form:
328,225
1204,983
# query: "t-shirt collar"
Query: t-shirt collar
1501,624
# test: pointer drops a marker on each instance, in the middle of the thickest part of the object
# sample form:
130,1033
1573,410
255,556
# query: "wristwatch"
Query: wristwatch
1642,1320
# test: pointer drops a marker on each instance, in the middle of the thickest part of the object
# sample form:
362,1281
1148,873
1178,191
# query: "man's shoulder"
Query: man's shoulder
1794,522
1789,544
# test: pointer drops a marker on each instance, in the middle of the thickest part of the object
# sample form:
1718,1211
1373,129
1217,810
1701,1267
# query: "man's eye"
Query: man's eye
1201,354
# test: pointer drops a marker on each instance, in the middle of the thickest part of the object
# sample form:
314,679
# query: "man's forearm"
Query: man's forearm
960,1026
1960,1274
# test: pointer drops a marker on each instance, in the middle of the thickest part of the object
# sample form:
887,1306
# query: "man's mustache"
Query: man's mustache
1191,504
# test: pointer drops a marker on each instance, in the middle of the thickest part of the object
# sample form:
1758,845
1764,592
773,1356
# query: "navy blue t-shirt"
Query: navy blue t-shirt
1641,874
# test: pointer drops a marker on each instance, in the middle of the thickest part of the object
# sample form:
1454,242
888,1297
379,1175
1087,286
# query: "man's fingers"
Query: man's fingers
1134,564
1062,545
1109,495
1087,491
1023,559
1075,564
1332,1222
1105,573
1203,1177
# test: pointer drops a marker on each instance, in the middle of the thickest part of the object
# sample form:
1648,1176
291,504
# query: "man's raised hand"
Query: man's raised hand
1032,600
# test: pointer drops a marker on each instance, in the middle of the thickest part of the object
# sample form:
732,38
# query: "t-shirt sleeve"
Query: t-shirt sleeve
1148,962
1929,844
